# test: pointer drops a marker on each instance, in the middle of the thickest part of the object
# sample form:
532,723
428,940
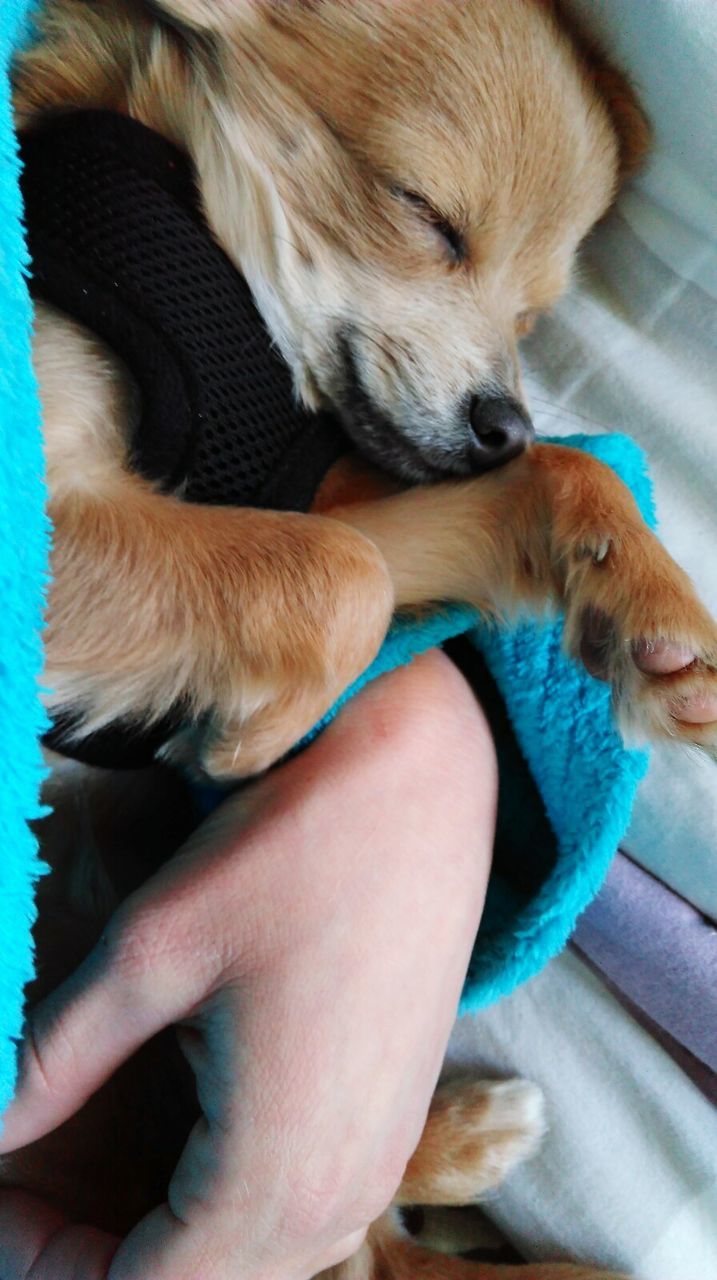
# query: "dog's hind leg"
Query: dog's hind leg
392,1258
475,1133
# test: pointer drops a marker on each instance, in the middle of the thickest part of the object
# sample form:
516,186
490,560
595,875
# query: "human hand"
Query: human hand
311,941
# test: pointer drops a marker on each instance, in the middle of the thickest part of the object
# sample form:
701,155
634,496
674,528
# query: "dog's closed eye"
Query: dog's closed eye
453,238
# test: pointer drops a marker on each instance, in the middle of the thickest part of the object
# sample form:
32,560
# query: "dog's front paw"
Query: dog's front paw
634,619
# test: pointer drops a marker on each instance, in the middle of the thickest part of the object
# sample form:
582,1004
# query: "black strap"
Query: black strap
118,242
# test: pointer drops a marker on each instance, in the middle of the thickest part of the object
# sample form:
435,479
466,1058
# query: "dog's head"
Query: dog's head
405,185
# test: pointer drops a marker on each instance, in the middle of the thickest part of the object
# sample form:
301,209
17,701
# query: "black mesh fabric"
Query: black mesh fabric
118,242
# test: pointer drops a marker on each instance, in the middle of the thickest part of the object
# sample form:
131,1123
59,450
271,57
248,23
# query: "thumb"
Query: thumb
74,1040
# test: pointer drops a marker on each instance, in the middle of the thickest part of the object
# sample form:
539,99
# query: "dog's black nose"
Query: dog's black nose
501,429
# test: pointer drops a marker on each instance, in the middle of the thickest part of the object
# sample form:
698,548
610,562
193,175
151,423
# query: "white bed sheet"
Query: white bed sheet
634,348
627,1175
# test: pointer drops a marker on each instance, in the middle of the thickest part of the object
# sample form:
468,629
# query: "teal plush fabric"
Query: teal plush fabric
23,563
583,780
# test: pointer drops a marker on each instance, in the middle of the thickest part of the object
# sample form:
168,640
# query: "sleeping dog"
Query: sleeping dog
405,188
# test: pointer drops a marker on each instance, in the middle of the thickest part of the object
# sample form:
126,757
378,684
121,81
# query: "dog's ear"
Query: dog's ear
214,15
197,15
631,124
76,60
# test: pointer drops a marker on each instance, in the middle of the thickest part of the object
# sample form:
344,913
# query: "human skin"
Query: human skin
311,939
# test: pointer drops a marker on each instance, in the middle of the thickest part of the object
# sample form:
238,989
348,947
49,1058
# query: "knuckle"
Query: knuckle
385,1182
123,944
333,1207
342,1250
141,943
48,1054
315,1206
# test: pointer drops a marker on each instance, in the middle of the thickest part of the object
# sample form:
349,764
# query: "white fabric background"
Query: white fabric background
628,1174
634,348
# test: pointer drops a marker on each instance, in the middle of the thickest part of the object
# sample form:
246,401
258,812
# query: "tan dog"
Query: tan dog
405,187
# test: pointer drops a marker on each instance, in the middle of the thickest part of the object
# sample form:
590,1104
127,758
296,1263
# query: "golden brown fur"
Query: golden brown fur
490,112
308,124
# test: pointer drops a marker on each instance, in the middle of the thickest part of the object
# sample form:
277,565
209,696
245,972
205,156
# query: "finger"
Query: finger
37,1241
155,962
78,1037
165,1247
212,1225
200,1231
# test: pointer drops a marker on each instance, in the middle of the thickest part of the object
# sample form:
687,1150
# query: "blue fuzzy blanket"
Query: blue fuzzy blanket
561,818
23,565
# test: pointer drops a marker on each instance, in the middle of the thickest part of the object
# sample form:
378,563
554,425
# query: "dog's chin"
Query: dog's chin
384,443
405,448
